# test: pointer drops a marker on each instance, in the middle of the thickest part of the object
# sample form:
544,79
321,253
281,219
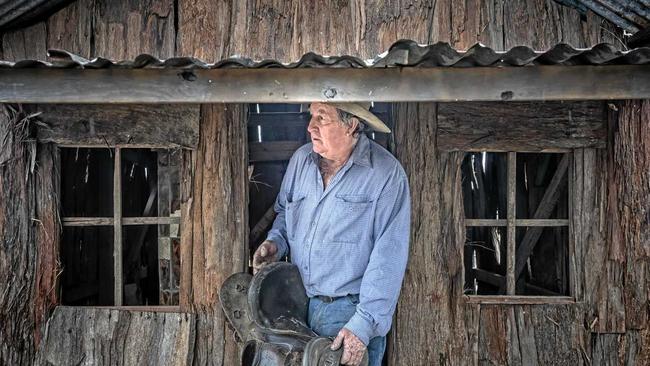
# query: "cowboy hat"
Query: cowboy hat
361,110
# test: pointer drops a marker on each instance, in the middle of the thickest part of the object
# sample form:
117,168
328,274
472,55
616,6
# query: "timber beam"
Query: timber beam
273,85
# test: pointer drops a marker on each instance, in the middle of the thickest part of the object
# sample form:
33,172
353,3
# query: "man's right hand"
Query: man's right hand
266,253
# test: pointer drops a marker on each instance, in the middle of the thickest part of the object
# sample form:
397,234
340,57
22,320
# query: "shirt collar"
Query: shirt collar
360,154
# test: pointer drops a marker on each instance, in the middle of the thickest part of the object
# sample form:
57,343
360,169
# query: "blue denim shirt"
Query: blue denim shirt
351,238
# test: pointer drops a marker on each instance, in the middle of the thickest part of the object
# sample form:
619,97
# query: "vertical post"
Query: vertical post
117,227
511,251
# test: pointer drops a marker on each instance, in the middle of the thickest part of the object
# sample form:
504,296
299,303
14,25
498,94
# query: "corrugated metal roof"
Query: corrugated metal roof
403,53
16,14
631,15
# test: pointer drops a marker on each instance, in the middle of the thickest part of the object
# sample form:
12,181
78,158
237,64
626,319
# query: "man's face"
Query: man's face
331,138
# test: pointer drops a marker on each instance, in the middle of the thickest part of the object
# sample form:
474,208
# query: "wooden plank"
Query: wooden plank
518,222
542,222
486,222
521,126
134,86
124,125
512,206
110,221
628,228
139,335
273,150
117,228
518,300
288,120
214,231
433,284
500,281
544,210
262,226
124,32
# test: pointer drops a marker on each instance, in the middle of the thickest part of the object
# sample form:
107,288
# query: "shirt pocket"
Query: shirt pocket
351,218
293,214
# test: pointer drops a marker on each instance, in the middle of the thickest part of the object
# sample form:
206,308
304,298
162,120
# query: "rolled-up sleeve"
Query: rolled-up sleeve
382,280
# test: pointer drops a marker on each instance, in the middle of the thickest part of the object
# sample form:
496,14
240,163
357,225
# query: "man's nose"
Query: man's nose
311,126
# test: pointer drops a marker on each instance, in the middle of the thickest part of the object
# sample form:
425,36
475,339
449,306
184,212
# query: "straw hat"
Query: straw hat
362,111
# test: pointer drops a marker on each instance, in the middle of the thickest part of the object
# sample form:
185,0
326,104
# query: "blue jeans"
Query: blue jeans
326,319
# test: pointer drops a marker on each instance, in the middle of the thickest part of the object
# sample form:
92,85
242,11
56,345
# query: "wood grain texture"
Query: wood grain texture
430,317
126,30
48,235
629,210
71,28
531,335
521,126
433,285
102,125
19,249
94,336
214,227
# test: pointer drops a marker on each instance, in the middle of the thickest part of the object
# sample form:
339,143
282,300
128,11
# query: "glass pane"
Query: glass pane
87,262
139,182
87,182
485,260
484,181
546,270
535,174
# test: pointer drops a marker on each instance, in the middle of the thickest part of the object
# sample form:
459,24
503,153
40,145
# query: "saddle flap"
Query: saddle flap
233,296
278,300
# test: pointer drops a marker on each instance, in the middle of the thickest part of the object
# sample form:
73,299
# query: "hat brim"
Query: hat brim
368,117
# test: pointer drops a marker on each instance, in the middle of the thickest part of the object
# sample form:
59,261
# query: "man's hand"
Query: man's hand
353,348
266,253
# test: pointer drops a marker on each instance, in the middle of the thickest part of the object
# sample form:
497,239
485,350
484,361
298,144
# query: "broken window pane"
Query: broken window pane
485,260
542,179
484,181
139,183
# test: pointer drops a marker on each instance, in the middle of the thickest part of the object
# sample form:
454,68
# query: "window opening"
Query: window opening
517,226
121,217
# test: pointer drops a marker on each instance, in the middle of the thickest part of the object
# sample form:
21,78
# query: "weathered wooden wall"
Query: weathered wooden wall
96,336
29,237
446,331
214,226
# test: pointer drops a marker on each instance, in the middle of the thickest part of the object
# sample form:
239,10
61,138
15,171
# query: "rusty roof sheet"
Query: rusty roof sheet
403,53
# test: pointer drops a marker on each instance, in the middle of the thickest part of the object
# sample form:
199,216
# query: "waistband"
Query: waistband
329,299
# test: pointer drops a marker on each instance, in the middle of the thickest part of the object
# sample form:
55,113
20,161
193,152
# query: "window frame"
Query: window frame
117,222
512,223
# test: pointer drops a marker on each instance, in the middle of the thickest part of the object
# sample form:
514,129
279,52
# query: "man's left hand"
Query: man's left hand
353,348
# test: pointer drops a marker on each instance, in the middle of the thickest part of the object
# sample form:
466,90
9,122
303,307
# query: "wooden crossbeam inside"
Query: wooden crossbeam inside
544,210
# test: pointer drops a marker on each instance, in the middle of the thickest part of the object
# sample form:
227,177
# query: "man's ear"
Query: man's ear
354,125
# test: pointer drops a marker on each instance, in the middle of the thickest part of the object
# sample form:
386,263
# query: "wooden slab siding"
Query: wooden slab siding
99,336
214,226
102,125
521,126
29,238
430,321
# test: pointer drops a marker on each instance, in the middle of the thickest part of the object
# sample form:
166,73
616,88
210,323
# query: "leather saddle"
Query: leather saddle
268,312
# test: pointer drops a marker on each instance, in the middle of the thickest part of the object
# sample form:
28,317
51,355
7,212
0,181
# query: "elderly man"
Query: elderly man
343,212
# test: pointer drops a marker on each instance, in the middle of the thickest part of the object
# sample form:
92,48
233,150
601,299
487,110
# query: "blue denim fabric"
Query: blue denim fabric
326,319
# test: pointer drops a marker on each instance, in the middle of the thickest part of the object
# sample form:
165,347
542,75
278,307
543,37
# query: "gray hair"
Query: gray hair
346,119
